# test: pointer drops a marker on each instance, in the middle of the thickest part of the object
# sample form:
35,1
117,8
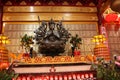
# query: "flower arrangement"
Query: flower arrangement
26,41
75,41
6,75
106,70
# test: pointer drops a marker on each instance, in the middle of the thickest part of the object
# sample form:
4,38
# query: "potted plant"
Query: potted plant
75,42
6,75
26,41
106,70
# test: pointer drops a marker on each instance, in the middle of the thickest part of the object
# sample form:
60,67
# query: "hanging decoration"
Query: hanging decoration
111,17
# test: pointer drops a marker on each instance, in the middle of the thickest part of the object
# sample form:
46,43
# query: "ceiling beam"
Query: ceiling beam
46,2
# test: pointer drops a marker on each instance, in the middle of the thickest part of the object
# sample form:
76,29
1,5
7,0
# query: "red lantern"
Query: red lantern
119,20
111,17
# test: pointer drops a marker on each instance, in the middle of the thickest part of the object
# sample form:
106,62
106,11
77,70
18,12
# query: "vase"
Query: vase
73,48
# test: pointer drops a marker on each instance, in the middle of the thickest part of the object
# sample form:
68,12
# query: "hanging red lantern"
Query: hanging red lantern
119,20
111,17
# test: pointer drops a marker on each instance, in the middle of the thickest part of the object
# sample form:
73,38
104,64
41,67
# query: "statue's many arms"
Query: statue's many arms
51,38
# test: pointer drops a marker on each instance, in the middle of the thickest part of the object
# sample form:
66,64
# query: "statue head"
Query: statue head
51,24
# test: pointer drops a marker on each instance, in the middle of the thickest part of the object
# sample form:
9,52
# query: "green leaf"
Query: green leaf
4,75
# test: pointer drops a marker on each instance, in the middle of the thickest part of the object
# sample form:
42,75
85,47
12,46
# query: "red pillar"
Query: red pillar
1,15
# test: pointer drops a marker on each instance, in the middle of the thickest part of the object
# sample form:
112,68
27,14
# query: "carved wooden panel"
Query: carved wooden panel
66,13
47,16
49,9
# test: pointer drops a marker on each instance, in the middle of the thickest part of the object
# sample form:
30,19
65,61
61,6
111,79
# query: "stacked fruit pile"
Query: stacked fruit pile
102,51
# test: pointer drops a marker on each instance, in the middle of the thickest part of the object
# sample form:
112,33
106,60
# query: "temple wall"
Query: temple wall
113,31
19,20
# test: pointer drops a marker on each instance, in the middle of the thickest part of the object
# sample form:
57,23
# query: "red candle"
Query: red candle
51,77
65,77
19,78
60,77
78,76
91,75
23,78
28,77
56,77
69,77
82,76
47,77
86,75
74,76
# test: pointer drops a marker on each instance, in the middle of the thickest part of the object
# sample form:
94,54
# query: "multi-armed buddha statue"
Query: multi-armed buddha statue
51,38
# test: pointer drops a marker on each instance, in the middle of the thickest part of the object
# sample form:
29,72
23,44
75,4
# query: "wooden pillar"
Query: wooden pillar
101,10
100,16
1,15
